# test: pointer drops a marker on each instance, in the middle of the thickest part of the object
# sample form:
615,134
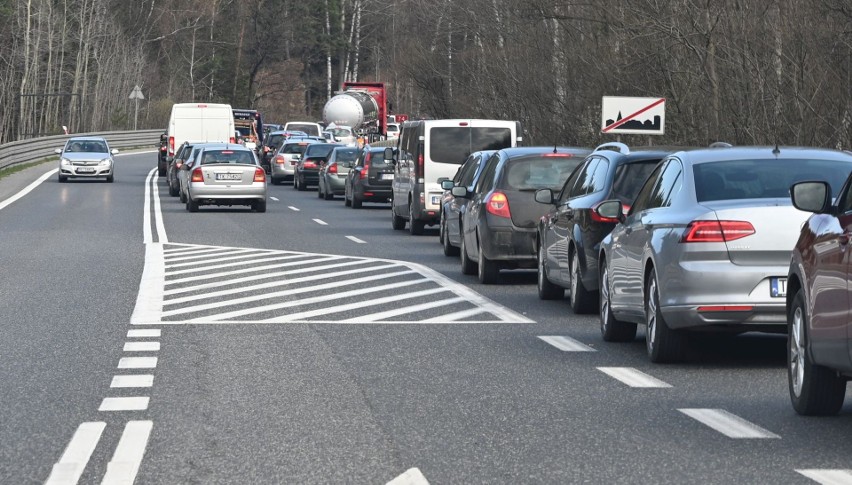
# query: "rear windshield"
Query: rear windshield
275,140
227,156
630,177
533,172
347,155
763,179
319,150
308,128
452,144
292,148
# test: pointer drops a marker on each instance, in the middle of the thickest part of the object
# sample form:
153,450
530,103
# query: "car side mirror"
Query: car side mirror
544,196
612,210
811,196
447,184
114,151
58,151
459,192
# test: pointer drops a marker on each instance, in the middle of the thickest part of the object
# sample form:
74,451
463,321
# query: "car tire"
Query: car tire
191,205
161,171
320,192
328,195
295,183
182,196
449,249
415,227
546,289
347,202
301,187
582,300
173,191
357,202
814,390
612,329
62,179
488,271
663,343
468,266
259,206
397,223
275,180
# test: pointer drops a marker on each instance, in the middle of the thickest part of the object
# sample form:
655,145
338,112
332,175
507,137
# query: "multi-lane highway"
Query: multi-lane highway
314,344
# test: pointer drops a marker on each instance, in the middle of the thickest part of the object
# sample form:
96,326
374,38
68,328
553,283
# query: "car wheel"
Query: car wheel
415,227
320,192
328,195
488,270
814,390
275,180
110,179
295,183
259,206
612,329
183,197
398,223
582,300
62,179
191,205
546,289
467,264
449,249
346,200
301,187
173,191
161,171
357,202
663,343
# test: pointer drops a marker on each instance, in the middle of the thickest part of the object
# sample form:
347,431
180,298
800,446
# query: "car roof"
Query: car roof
761,152
226,146
87,138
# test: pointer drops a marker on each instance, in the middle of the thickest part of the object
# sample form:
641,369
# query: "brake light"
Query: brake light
231,139
259,175
197,176
171,145
309,165
279,160
498,205
717,231
599,218
332,168
463,123
178,164
420,165
366,167
557,155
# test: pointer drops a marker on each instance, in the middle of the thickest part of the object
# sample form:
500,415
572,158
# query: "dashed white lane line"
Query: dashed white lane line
320,222
135,380
144,333
141,346
728,424
633,377
69,468
275,199
566,344
137,363
356,240
295,209
137,403
828,477
124,465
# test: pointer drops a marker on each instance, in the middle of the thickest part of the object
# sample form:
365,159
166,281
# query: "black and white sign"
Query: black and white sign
639,116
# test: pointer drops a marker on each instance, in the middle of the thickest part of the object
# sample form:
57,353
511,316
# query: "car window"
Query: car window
87,146
485,182
565,192
629,178
346,155
468,170
845,204
531,172
227,156
641,202
318,151
668,186
583,182
452,144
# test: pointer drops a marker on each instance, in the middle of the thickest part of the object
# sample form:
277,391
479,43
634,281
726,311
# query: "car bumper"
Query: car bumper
211,194
336,185
74,171
509,244
282,171
382,193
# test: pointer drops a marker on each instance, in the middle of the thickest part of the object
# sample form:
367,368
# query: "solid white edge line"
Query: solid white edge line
135,403
828,477
633,377
162,237
26,190
137,363
566,344
356,240
295,209
147,236
727,423
69,468
320,222
132,380
125,462
141,346
149,300
412,476
144,333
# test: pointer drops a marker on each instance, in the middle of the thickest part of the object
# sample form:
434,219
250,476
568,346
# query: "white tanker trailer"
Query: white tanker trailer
361,106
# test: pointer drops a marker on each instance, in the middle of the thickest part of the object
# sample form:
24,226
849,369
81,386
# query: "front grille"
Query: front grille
85,163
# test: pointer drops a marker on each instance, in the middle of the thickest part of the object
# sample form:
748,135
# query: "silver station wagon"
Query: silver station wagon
86,157
226,175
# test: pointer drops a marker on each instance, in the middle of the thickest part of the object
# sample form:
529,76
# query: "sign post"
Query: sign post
136,95
636,116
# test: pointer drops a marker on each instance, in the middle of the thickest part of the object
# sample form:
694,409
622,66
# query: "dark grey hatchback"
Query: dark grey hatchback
498,228
370,180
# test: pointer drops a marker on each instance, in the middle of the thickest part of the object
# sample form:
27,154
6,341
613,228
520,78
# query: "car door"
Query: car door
473,209
558,222
455,204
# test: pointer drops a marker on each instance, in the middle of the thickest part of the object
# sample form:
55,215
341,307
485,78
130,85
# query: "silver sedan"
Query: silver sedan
226,175
86,157
706,245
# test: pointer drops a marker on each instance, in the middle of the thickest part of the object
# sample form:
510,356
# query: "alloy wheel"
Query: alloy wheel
797,352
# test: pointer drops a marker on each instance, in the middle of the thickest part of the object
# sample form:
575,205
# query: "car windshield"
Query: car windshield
763,179
340,131
88,146
227,156
346,155
630,177
275,140
292,148
532,172
377,157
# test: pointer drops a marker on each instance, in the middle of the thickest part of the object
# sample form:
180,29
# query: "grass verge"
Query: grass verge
21,167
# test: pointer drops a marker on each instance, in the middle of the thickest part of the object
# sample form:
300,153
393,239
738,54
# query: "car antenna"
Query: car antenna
776,151
554,148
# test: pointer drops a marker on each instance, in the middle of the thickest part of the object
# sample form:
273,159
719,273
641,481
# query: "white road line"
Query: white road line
69,468
412,476
828,477
141,346
293,208
147,237
320,222
566,344
728,424
193,251
217,256
149,300
198,268
144,333
133,380
292,303
26,190
162,238
456,316
183,249
252,270
356,240
274,198
404,310
124,465
633,377
137,363
139,403
279,274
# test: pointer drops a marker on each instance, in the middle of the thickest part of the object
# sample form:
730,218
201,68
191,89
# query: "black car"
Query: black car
499,225
370,179
453,207
570,233
162,154
306,171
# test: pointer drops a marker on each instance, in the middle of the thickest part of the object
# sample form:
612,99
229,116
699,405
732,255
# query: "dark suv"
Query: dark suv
162,152
370,180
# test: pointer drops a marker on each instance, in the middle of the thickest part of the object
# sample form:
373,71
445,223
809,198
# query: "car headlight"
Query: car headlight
106,161
65,161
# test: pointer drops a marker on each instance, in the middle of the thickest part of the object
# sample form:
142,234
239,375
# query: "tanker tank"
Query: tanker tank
351,108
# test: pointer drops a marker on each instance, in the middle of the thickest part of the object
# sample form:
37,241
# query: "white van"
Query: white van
309,127
430,150
199,122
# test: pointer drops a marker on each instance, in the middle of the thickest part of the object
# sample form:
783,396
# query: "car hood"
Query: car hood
85,156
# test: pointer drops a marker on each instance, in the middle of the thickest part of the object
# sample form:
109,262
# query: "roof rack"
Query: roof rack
720,144
618,146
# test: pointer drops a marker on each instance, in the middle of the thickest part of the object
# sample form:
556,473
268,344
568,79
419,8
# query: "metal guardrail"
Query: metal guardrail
26,151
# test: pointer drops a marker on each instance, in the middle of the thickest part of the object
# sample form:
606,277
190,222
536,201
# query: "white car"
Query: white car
393,131
86,157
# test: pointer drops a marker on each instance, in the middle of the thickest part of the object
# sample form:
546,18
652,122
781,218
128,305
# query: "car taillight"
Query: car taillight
279,160
259,175
197,176
231,139
171,144
420,165
332,168
599,218
498,205
309,165
717,231
365,170
178,164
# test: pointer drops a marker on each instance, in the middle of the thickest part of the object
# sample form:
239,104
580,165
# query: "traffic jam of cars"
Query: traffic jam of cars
681,241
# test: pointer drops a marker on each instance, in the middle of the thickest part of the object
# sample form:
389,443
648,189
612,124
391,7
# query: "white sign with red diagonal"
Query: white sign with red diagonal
637,116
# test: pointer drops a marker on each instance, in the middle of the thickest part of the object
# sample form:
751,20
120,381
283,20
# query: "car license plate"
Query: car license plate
387,176
778,287
85,170
229,176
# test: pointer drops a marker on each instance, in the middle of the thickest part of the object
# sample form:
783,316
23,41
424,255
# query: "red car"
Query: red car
819,354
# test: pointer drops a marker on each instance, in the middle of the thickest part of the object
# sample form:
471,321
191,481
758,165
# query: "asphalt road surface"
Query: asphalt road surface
314,344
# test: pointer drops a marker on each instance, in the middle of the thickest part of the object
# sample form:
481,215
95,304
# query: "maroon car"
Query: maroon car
819,355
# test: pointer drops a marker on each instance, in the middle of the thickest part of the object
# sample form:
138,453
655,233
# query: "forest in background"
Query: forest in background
742,71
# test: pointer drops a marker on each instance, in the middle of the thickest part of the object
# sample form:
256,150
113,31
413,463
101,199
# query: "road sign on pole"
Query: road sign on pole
136,95
638,116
